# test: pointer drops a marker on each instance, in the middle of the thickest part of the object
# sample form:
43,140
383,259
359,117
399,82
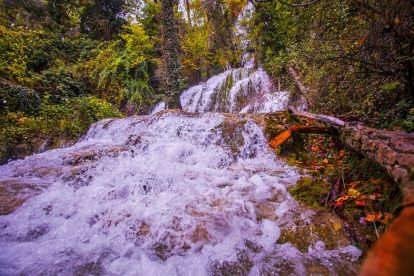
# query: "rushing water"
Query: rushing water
168,194
242,90
174,193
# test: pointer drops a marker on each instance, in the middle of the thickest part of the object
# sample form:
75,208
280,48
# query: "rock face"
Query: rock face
392,150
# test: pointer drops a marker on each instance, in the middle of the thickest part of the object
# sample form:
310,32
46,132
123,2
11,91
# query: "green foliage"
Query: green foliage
15,98
120,67
44,61
21,135
347,54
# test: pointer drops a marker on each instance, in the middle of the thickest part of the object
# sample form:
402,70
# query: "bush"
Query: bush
56,124
15,98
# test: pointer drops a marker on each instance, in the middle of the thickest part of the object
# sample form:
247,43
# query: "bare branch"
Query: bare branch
298,5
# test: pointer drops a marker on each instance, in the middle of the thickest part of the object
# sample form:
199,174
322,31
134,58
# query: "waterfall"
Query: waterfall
175,193
242,90
172,193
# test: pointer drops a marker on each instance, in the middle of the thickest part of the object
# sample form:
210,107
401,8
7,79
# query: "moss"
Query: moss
276,122
309,191
222,97
232,133
411,175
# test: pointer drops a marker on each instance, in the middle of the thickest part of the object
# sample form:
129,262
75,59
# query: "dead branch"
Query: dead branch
323,118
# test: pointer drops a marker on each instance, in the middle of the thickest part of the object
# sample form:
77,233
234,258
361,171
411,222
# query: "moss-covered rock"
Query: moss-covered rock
319,231
309,191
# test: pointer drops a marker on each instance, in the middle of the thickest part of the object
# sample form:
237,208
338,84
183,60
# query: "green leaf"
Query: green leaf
278,6
391,86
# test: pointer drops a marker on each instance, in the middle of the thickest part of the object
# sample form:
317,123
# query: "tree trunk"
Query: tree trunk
172,81
324,118
303,89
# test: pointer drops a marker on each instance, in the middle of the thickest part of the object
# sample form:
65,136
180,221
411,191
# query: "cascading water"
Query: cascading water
170,194
242,90
174,193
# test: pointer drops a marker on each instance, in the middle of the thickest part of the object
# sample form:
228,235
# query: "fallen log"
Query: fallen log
298,129
394,152
323,118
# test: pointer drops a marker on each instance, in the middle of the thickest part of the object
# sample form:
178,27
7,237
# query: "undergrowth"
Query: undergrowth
355,188
55,125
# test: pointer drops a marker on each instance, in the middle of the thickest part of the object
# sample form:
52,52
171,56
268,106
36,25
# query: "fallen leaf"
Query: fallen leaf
387,219
325,161
375,196
373,217
375,181
343,198
361,41
396,20
361,202
353,193
340,203
337,226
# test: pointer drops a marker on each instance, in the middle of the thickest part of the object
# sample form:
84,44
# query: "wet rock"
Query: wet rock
309,191
241,266
37,232
307,233
14,192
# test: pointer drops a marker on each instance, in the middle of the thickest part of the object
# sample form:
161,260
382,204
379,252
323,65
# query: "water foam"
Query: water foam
169,194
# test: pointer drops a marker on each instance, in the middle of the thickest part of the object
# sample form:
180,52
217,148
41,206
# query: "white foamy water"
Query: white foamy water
169,194
241,90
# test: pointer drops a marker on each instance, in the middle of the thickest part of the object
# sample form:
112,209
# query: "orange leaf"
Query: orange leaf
374,217
340,203
375,181
361,202
387,219
361,41
343,198
396,20
325,161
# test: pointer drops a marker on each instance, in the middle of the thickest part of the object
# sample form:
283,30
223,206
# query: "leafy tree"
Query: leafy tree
120,68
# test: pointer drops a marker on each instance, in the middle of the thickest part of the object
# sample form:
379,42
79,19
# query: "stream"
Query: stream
173,193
